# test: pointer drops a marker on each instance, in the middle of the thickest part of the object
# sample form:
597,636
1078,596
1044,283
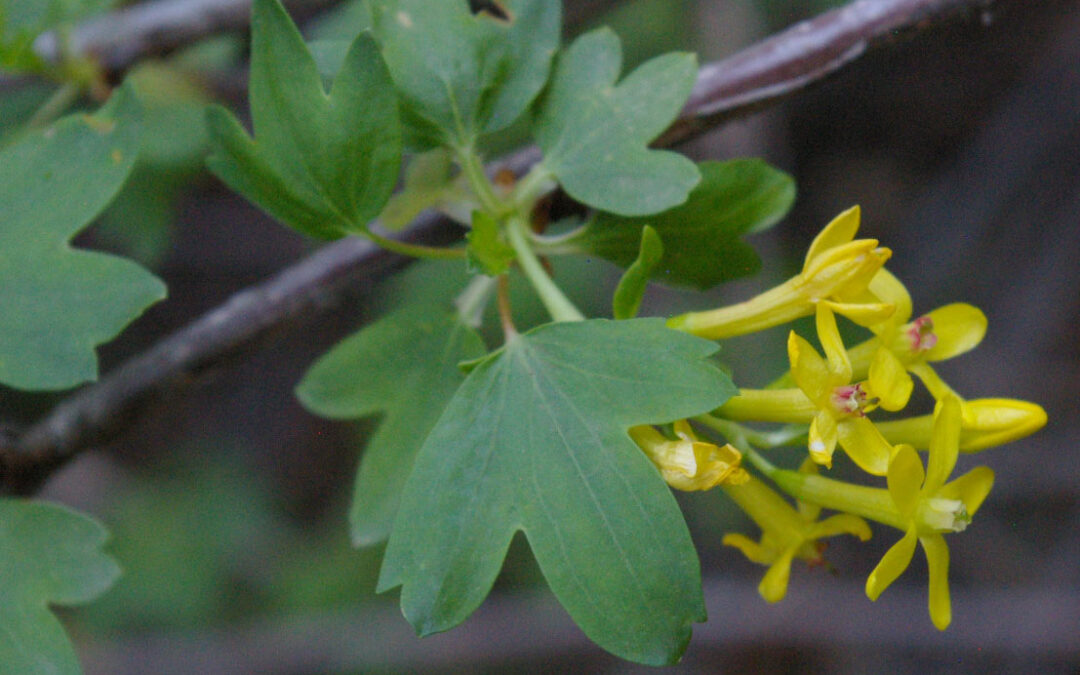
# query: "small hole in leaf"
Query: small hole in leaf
493,8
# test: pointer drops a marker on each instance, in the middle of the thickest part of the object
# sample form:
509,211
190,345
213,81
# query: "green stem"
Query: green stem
537,182
473,169
557,304
761,439
415,250
59,101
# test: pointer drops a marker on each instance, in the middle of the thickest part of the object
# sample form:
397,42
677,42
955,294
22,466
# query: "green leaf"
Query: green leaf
404,365
57,302
594,134
631,287
701,237
322,163
487,252
49,555
462,75
536,440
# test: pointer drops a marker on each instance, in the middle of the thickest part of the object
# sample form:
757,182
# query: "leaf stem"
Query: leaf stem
557,304
59,101
506,317
414,250
473,169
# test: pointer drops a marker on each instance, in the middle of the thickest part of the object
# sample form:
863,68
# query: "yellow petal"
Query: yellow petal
889,380
773,586
971,488
842,523
944,443
888,289
823,438
809,370
829,335
840,231
892,565
864,444
905,480
866,314
936,385
959,327
937,562
750,548
995,421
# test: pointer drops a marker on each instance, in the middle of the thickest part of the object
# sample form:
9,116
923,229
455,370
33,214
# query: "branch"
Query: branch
119,39
738,85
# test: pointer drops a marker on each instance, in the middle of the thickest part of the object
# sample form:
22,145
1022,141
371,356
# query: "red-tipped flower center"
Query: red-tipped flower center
921,334
850,399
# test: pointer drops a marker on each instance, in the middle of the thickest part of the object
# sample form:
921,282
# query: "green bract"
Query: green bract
536,440
404,365
701,237
462,75
322,163
487,252
594,133
58,302
49,555
631,288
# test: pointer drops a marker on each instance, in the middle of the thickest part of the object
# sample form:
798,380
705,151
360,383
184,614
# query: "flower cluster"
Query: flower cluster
826,401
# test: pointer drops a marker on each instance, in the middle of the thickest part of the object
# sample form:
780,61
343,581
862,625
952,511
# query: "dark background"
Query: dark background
962,145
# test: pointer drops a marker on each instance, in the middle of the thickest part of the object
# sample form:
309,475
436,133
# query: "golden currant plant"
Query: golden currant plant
571,429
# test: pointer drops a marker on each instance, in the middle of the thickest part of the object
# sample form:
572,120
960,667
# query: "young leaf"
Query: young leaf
49,555
404,365
536,440
57,303
594,133
487,252
631,287
462,75
701,237
324,164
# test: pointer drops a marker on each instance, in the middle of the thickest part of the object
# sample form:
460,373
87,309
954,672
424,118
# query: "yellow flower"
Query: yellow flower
985,423
838,268
918,502
841,403
687,463
785,533
901,346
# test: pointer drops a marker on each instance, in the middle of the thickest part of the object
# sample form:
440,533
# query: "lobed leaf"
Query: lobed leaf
536,440
404,366
49,555
594,134
57,302
323,163
461,75
702,244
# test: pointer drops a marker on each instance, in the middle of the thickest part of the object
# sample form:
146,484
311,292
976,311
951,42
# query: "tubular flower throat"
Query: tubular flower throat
786,533
838,268
687,463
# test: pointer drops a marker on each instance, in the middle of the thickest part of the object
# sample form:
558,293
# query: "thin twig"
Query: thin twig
741,84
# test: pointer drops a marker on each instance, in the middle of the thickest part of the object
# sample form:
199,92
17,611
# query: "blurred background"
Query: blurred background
227,503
